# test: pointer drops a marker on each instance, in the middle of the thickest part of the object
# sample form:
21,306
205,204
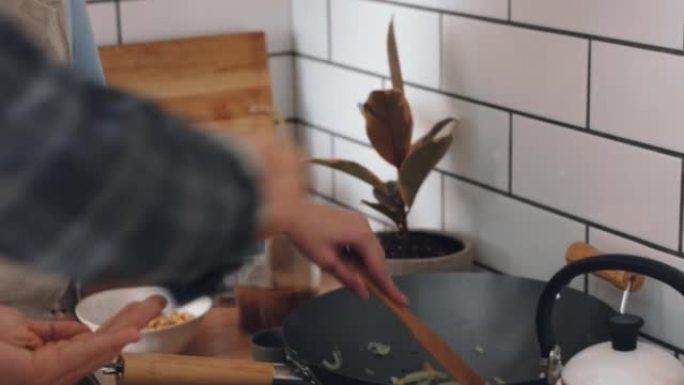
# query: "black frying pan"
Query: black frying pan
488,319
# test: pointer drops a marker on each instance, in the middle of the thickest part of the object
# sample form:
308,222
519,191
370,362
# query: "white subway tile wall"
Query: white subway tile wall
282,83
655,22
535,72
598,179
654,296
104,22
310,27
359,38
489,8
510,236
570,115
480,148
163,19
328,96
637,94
319,145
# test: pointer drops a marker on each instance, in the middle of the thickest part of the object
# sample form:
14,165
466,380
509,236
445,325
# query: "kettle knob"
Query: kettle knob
624,331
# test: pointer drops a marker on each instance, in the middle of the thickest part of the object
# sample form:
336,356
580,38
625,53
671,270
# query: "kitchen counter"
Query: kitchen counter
220,336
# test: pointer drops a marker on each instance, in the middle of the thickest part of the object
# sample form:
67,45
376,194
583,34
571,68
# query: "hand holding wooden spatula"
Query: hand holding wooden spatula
450,361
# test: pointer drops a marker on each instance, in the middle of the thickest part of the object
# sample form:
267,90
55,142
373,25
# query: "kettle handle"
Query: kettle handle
640,265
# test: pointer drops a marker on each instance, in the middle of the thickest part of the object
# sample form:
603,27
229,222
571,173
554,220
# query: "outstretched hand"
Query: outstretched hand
323,232
63,352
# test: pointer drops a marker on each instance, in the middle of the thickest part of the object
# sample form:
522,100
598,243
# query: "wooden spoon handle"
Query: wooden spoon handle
620,279
167,369
452,363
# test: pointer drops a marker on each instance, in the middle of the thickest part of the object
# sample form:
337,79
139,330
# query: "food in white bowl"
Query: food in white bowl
171,333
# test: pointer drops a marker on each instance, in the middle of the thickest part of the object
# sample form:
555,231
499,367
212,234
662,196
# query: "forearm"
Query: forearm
97,184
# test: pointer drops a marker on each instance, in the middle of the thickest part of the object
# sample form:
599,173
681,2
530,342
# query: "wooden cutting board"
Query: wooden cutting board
219,82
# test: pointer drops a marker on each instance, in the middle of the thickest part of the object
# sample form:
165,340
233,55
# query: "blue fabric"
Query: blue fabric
86,59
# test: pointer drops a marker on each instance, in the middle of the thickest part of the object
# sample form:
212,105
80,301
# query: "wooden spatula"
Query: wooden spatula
452,363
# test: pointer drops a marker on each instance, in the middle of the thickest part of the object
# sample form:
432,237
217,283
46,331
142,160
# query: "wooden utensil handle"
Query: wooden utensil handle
167,369
620,279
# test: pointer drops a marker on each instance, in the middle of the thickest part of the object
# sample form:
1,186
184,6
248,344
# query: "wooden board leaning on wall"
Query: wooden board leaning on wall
221,83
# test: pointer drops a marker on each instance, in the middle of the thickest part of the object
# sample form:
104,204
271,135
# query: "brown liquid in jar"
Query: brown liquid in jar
264,308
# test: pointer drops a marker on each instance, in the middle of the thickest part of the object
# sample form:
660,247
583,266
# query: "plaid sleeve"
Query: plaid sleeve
100,185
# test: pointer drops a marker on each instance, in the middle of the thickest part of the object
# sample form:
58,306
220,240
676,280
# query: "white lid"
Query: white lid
602,365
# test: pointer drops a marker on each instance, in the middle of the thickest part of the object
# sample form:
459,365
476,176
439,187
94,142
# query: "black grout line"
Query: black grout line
681,208
538,28
329,27
440,67
589,86
510,153
518,198
282,53
564,214
586,234
119,29
333,133
443,198
333,180
384,221
583,130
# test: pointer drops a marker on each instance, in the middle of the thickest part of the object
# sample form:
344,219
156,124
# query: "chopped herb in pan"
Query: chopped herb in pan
422,378
337,361
378,349
479,350
369,372
499,381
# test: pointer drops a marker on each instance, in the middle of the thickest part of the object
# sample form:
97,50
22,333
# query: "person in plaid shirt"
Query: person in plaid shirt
99,185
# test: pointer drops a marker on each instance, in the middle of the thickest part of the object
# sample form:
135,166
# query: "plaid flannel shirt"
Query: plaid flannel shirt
97,184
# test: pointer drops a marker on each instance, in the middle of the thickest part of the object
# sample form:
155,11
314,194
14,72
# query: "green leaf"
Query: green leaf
384,210
434,131
352,168
389,125
394,63
418,165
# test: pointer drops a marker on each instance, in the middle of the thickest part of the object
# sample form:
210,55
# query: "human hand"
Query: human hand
322,233
63,352
283,180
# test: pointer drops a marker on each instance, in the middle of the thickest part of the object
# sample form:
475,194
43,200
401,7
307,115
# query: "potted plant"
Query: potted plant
389,125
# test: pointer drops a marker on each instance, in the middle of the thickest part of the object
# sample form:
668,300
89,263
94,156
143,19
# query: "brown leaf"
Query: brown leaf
354,169
393,56
418,165
390,196
434,131
389,124
384,210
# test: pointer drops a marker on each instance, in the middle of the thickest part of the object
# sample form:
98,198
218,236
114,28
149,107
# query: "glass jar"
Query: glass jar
274,284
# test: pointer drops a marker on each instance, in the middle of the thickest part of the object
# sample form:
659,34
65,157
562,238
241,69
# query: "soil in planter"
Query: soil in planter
418,245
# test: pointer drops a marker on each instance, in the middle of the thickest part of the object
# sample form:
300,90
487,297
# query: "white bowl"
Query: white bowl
97,308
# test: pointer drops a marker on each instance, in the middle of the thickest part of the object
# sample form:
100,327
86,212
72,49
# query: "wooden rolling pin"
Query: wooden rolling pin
620,279
167,369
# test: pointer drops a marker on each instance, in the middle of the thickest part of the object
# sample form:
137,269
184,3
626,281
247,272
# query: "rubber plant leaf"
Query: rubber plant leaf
390,196
434,131
389,124
394,63
384,210
354,169
418,165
